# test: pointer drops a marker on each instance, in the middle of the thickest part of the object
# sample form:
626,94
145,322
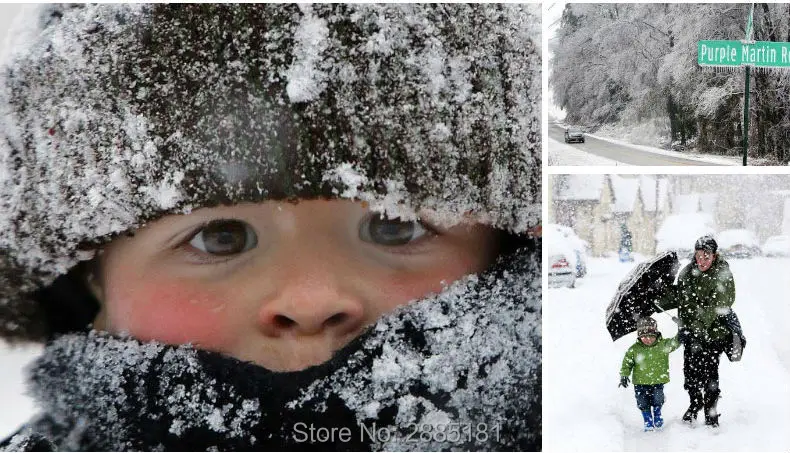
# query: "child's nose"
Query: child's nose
311,303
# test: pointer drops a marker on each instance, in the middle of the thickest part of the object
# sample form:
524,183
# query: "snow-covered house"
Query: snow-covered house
598,206
584,202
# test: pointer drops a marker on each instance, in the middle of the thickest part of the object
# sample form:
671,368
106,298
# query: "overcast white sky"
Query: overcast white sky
8,13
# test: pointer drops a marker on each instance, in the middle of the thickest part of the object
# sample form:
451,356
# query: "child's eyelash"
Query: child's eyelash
199,257
182,245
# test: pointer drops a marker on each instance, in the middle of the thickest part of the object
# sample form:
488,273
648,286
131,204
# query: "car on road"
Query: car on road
739,243
561,263
777,246
573,134
580,246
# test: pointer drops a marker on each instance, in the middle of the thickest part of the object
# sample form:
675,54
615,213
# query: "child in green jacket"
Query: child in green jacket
648,358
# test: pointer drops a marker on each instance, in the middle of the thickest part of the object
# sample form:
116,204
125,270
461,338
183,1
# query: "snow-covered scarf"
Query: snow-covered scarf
457,371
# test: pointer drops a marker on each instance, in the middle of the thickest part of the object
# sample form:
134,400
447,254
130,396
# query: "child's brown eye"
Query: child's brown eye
392,232
224,237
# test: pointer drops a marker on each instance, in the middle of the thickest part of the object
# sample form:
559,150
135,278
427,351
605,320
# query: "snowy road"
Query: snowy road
622,153
584,410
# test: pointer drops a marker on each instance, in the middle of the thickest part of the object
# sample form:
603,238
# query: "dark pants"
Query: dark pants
701,370
648,396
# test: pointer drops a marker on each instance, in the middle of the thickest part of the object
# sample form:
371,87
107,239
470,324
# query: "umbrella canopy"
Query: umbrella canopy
637,293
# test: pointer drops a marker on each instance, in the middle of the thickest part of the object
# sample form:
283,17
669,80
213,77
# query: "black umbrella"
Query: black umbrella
637,293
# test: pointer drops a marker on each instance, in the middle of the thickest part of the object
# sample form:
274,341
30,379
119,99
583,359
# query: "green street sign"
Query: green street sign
763,54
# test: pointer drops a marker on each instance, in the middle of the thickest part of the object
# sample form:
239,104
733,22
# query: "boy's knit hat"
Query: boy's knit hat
646,326
114,115
706,243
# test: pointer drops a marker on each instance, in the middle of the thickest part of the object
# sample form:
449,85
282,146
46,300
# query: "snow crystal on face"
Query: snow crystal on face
305,81
480,359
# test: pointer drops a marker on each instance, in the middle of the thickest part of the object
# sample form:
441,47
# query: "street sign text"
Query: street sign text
765,54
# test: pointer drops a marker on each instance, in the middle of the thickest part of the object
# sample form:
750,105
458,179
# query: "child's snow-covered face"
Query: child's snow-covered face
280,284
648,339
704,259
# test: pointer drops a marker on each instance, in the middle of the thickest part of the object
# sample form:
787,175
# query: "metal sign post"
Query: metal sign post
749,38
746,116
748,53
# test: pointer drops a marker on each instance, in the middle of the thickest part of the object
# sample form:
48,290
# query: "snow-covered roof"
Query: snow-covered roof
680,231
582,187
728,238
625,191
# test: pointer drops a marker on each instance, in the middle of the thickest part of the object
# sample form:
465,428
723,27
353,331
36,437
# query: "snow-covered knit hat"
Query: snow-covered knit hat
707,243
114,115
646,326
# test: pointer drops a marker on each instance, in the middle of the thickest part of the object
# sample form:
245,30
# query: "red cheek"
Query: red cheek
401,287
172,312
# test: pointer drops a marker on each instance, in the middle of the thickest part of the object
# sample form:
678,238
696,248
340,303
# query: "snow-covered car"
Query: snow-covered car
574,135
679,232
561,263
777,246
579,245
738,243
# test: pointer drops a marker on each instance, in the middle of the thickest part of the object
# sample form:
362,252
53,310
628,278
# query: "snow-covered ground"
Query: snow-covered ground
16,407
720,160
584,410
563,154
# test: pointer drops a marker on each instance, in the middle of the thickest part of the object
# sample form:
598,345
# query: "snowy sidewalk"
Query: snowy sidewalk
584,410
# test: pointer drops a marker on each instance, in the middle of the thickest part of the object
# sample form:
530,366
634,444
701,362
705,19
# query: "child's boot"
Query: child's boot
658,422
648,420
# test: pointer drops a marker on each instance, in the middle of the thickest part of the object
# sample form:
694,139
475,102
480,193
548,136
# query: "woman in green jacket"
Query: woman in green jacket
704,293
648,359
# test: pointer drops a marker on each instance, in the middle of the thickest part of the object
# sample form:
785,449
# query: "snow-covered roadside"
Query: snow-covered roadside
560,153
17,408
719,160
581,370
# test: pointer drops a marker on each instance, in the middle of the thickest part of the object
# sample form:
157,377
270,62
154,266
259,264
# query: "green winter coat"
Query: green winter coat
701,297
650,364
